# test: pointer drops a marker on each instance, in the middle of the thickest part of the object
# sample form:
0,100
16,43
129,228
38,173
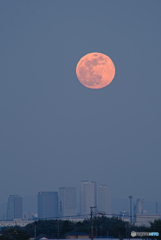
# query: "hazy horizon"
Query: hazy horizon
117,205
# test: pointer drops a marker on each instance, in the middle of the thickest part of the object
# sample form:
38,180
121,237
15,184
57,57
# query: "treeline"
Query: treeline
102,227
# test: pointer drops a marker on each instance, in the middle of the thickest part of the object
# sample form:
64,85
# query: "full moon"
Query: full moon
95,70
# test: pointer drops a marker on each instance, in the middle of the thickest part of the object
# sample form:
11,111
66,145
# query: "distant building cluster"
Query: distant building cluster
53,204
64,204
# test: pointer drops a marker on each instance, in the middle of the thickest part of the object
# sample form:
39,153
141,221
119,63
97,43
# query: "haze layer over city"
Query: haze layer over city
55,132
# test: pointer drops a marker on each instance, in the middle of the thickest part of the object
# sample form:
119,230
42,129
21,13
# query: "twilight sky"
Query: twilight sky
56,132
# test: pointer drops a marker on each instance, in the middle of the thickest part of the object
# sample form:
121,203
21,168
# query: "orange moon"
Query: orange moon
95,70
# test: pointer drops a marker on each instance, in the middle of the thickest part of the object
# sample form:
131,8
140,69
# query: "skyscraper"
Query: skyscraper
88,196
14,207
138,207
47,204
104,199
67,202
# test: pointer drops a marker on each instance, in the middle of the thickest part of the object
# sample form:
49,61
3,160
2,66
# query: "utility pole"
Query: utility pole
130,224
100,231
130,210
58,228
92,222
35,231
96,231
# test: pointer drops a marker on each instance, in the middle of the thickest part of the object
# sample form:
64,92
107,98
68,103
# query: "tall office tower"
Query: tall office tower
138,208
47,205
67,202
14,207
104,199
88,196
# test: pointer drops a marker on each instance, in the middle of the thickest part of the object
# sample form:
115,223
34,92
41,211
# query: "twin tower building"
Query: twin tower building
64,204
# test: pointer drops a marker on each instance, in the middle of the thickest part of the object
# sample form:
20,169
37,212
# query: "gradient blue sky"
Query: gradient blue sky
56,132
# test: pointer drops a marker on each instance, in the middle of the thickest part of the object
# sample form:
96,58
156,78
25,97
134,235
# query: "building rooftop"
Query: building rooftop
76,234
